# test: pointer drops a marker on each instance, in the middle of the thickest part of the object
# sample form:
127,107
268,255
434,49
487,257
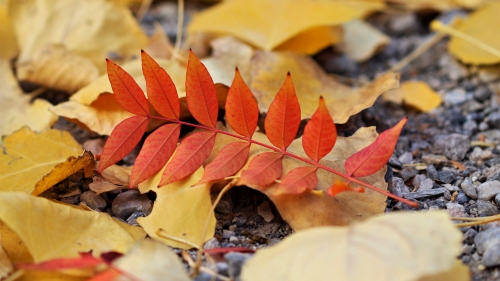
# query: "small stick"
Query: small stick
480,221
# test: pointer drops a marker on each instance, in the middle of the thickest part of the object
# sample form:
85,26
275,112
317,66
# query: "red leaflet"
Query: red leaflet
283,116
340,186
161,90
320,133
201,95
156,151
373,157
264,169
124,137
242,112
298,180
84,261
128,94
228,162
190,155
108,274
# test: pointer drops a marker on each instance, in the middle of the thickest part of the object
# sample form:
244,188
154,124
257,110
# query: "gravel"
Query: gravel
129,202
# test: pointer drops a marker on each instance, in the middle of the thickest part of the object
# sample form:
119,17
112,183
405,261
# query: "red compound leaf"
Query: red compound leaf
298,180
339,187
86,260
320,133
228,162
263,170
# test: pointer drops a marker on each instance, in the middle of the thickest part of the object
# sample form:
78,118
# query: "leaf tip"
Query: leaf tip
339,187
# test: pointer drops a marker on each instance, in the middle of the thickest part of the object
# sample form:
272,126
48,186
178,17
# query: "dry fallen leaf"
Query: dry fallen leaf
5,264
312,40
269,24
361,40
118,175
92,29
149,260
17,110
23,164
416,94
186,207
382,248
159,45
13,245
438,5
100,185
58,231
310,81
9,47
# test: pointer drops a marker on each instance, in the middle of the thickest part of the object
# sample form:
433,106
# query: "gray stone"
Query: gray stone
486,191
470,126
494,120
417,180
482,94
397,186
264,210
204,276
394,162
483,126
432,159
456,96
469,236
235,261
132,220
491,256
485,208
227,234
130,201
406,158
93,200
446,176
408,172
222,268
234,239
456,146
462,197
469,189
479,154
211,244
451,188
455,210
426,193
403,23
73,200
497,199
426,184
487,243
431,172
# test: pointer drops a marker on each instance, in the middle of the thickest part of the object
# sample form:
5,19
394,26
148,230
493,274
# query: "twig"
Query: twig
476,221
176,239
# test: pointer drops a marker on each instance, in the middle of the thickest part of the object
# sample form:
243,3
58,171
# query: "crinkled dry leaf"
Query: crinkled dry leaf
118,175
479,26
92,29
65,169
268,24
23,164
152,261
416,94
57,231
269,71
9,47
54,66
382,248
17,110
362,41
186,207
100,185
5,264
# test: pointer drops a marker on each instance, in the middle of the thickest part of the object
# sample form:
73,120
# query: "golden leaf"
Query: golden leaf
382,248
24,163
362,41
416,94
9,47
6,266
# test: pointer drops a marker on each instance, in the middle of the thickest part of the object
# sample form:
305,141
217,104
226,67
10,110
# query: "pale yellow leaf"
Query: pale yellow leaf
149,260
23,163
268,24
17,108
92,29
312,40
416,94
5,263
180,210
361,40
52,230
9,48
310,81
54,66
396,246
118,175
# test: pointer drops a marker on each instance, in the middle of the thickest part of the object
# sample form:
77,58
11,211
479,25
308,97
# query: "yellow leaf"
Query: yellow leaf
479,26
92,29
65,169
268,24
5,264
17,110
310,81
440,5
9,47
56,67
382,248
118,175
51,230
152,261
362,41
416,94
23,163
313,40
13,245
185,206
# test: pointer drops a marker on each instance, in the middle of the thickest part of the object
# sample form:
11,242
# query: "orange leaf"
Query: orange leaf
320,133
157,149
263,170
161,89
374,157
201,95
340,186
109,274
242,111
128,94
190,155
85,260
298,180
124,137
283,116
228,162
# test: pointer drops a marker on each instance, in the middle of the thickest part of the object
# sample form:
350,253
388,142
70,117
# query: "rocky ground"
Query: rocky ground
447,159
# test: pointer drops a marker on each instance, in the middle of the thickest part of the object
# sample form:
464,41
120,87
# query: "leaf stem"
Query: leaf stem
289,154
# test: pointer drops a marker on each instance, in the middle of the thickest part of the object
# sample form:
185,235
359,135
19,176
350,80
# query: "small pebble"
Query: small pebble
485,208
497,199
93,200
406,158
211,244
234,239
227,233
446,176
469,189
462,197
456,146
264,210
397,186
129,202
431,172
235,261
456,210
488,244
432,159
426,184
408,172
486,191
132,220
469,236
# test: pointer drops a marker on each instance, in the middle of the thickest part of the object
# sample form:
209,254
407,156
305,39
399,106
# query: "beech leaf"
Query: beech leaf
157,149
262,171
125,136
375,156
228,162
320,133
188,157
283,117
382,248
